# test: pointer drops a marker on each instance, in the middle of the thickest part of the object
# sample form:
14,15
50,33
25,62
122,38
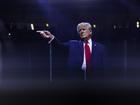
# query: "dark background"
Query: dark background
25,60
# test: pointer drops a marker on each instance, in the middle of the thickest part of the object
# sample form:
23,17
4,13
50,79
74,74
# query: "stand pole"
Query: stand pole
50,57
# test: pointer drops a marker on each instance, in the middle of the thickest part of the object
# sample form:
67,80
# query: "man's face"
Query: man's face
84,32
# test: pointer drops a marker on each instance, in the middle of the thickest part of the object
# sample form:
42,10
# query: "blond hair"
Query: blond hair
84,24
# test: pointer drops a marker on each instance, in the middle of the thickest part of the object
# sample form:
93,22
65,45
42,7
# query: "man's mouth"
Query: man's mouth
83,35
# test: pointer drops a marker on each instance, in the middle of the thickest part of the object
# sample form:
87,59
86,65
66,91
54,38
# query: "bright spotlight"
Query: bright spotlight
32,27
47,25
94,25
137,24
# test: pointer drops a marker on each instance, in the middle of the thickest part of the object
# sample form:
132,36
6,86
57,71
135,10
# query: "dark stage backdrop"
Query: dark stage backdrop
25,56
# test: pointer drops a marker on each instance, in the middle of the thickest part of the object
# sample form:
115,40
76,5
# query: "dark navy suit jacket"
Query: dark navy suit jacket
75,53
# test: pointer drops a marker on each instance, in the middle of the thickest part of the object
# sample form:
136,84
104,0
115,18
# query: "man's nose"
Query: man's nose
82,31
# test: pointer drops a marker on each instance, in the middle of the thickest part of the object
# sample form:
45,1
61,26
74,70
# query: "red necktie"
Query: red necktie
87,55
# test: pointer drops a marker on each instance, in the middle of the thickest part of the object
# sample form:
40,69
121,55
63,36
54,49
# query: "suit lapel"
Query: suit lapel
93,52
81,52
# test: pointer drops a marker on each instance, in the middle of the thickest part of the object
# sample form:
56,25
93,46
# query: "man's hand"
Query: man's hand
46,34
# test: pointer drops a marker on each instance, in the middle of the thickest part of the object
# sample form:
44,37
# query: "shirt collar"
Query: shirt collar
90,41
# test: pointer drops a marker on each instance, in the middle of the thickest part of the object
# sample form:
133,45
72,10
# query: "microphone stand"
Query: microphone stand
50,63
125,59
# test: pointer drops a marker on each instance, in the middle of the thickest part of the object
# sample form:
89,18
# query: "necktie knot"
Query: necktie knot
86,42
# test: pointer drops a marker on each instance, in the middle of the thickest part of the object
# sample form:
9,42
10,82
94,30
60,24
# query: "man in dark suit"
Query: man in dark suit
85,57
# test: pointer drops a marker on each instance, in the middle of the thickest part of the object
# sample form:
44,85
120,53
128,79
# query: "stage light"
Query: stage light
32,27
94,25
137,24
47,25
114,26
9,34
